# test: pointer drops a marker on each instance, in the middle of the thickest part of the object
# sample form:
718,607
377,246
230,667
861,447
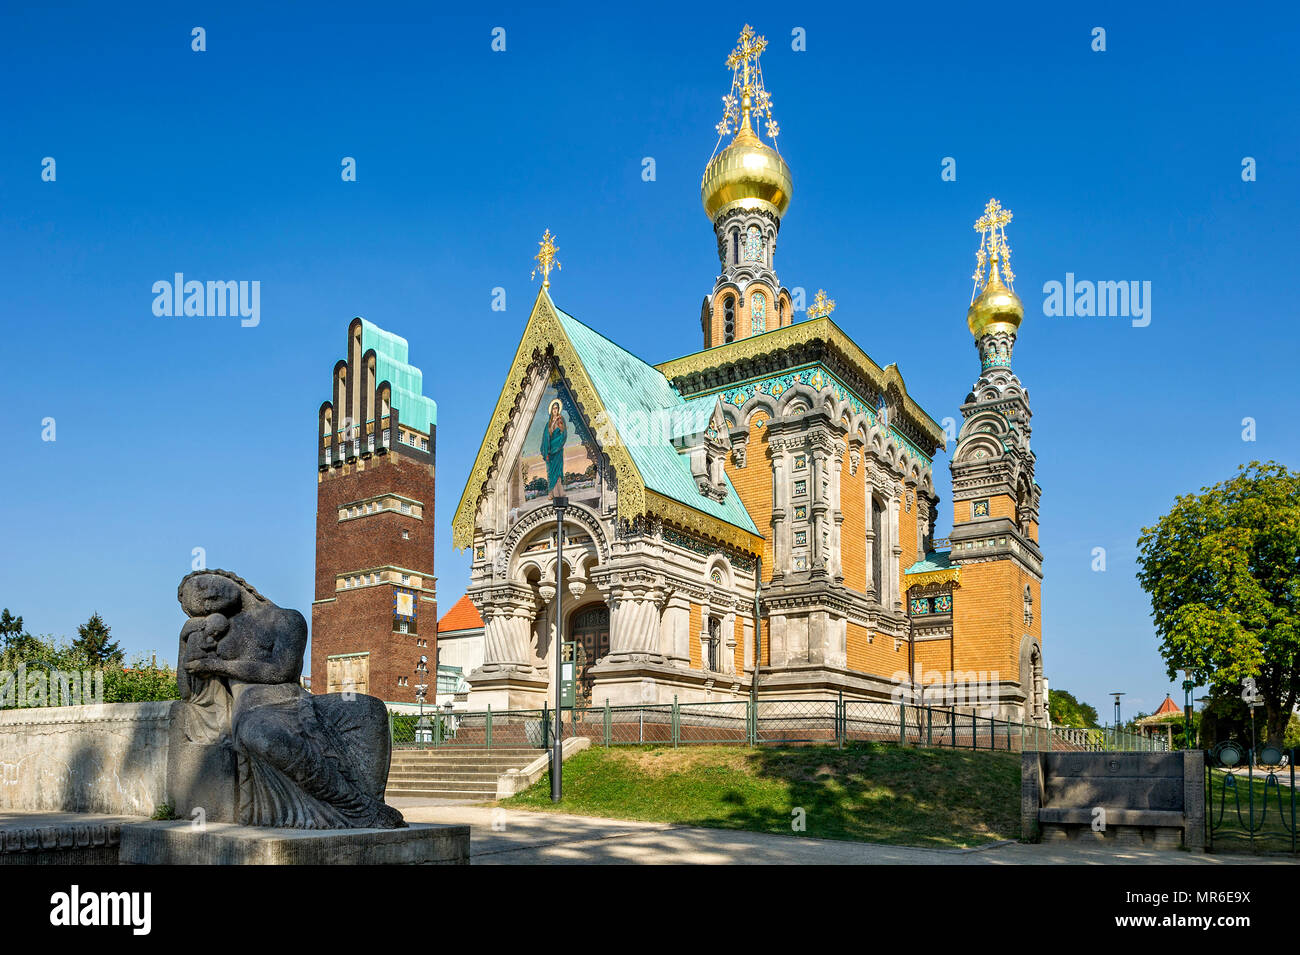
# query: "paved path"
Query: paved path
519,837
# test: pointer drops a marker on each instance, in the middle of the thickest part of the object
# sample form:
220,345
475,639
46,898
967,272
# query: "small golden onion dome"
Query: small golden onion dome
997,309
747,175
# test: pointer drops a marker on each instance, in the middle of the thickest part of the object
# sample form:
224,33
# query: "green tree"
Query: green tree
141,682
1065,710
94,643
1223,573
10,626
15,641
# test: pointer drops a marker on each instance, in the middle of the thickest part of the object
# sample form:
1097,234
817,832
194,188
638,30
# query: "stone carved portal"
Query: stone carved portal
519,610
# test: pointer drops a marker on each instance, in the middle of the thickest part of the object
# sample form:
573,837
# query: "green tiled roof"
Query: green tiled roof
413,408
692,416
935,560
647,411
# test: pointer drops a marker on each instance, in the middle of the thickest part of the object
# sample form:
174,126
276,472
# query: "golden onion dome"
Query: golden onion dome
747,175
996,309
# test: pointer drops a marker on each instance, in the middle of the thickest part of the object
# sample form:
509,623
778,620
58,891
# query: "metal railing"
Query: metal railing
1250,800
762,722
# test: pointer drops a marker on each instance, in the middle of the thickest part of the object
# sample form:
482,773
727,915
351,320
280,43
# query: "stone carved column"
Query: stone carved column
507,626
776,447
869,587
635,618
836,513
675,630
820,506
727,650
896,548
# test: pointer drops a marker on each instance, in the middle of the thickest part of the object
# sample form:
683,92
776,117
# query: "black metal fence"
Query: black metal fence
1250,799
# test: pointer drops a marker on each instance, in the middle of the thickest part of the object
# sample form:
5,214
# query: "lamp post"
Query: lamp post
421,689
1188,684
557,750
1117,696
1253,705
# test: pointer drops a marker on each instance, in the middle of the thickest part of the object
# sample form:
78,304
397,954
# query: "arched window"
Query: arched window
758,312
735,246
878,547
753,245
729,318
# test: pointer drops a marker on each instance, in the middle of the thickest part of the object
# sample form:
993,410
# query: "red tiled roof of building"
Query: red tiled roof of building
1168,706
462,616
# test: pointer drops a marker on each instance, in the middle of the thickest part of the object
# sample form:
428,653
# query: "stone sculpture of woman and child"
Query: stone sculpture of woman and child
249,745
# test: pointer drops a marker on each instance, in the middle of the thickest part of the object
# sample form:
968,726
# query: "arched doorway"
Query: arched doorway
589,629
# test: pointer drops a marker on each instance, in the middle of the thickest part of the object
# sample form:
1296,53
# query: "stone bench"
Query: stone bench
1131,799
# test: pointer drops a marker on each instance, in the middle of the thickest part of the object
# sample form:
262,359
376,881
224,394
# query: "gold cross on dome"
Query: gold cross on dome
748,47
995,217
748,100
993,246
821,306
546,259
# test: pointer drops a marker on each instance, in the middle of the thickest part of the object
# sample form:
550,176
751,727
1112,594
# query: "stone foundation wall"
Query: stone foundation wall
108,758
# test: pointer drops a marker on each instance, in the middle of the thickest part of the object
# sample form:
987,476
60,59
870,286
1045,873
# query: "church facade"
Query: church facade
756,517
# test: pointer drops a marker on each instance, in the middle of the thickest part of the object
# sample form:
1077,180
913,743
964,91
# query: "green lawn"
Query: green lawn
869,792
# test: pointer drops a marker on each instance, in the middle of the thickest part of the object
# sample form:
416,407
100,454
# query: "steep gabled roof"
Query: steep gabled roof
647,412
613,387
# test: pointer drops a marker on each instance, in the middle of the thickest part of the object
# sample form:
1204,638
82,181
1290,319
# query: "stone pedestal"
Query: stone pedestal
628,683
505,688
180,843
201,776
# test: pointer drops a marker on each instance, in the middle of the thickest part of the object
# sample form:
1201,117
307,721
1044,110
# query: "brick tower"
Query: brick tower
995,499
375,611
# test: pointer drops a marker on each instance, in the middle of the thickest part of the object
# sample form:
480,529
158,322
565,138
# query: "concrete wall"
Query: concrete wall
106,758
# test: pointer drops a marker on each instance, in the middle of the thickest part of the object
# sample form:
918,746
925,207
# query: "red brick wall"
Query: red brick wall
360,620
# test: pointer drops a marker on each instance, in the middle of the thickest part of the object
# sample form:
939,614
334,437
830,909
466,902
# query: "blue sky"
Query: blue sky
176,433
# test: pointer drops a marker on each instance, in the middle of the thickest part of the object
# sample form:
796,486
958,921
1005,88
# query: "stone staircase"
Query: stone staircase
454,773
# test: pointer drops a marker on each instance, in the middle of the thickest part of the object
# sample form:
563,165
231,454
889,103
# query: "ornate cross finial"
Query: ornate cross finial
747,92
821,306
546,258
993,247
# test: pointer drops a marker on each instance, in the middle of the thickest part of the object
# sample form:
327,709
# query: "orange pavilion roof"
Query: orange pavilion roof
462,616
1168,706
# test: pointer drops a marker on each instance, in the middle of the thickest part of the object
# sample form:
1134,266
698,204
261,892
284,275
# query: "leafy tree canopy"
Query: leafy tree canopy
1222,569
1065,710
